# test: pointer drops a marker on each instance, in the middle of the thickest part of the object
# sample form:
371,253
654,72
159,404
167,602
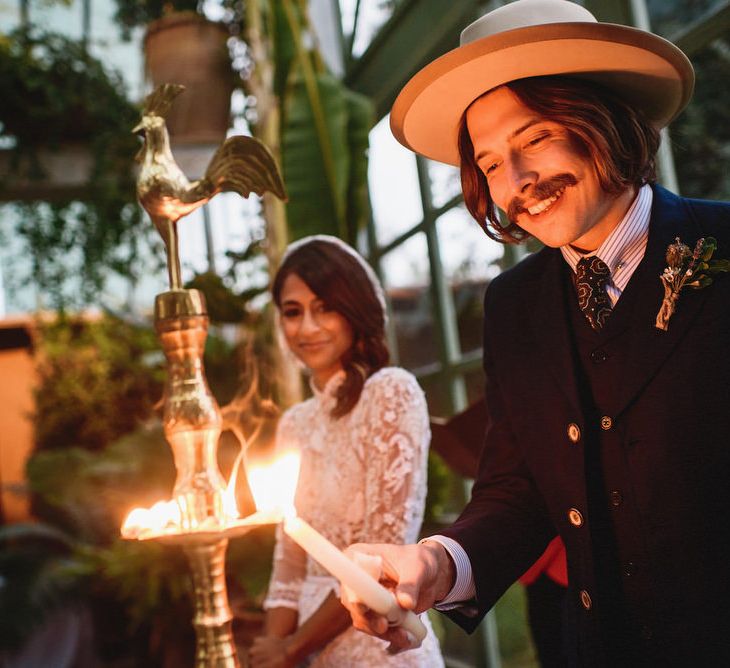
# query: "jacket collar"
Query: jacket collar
649,347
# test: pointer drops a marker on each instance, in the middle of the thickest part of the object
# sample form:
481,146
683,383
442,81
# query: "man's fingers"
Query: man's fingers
364,619
407,595
400,640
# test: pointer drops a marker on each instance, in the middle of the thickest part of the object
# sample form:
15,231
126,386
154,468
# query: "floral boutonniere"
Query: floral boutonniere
687,269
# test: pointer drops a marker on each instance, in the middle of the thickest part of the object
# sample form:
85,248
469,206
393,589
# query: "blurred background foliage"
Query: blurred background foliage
100,451
54,94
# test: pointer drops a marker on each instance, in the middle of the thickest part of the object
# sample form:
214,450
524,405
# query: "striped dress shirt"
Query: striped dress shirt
624,248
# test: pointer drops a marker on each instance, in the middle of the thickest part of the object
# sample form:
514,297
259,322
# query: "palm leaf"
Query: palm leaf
360,120
316,202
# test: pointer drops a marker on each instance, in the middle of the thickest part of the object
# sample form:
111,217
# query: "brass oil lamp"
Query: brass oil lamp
202,514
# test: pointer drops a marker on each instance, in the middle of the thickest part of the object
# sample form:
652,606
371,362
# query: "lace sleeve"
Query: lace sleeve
290,561
395,439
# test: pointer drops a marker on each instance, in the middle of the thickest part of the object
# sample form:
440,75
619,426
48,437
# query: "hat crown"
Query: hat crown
525,14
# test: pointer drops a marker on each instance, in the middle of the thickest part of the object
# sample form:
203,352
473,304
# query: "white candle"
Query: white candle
366,588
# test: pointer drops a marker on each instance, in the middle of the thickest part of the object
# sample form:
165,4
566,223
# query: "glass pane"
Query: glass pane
445,182
124,56
407,264
406,280
56,17
467,253
371,17
9,16
393,182
470,260
668,17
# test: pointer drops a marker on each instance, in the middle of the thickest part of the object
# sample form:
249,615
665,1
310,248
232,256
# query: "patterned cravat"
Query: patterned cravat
591,276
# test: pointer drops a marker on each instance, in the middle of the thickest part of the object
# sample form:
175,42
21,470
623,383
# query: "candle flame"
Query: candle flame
230,506
161,518
274,484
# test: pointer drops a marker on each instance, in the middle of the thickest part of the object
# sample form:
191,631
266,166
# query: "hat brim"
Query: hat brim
648,71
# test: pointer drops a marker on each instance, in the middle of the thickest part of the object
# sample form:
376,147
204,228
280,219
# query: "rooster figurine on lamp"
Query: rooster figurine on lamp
203,514
241,164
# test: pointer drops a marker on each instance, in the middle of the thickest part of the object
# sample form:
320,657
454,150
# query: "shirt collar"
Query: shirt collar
625,245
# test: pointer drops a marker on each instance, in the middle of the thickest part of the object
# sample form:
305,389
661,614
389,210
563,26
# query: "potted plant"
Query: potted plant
55,94
182,46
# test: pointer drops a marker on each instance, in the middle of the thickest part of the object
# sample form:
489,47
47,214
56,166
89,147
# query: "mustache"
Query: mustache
540,191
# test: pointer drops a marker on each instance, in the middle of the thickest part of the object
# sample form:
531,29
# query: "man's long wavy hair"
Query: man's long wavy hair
340,281
620,141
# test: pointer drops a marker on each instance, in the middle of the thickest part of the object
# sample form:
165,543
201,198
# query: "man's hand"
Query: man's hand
418,575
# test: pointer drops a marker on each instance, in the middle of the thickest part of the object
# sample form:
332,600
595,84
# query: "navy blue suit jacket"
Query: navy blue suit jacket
671,416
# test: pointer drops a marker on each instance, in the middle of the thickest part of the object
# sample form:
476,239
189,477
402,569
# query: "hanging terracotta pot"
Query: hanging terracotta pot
187,49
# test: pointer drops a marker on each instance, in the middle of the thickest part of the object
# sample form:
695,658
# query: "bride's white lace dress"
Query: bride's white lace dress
362,479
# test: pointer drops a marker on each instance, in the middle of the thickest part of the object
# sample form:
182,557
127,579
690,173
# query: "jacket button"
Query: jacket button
606,423
573,432
616,498
585,599
576,519
598,356
629,569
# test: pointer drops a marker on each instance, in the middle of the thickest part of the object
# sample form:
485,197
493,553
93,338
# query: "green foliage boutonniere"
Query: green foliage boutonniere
686,268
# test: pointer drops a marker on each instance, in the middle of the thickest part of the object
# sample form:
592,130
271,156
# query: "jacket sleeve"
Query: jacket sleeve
505,526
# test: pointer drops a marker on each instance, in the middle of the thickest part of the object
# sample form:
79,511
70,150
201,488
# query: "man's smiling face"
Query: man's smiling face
540,175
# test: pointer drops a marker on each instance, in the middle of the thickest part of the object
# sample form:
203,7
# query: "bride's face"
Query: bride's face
318,336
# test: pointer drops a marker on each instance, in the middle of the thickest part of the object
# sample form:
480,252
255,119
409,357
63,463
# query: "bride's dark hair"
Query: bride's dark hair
341,282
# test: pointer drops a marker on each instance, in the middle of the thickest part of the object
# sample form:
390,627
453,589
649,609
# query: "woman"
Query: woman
363,437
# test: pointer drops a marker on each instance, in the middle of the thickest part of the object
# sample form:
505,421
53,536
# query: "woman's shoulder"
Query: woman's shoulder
393,379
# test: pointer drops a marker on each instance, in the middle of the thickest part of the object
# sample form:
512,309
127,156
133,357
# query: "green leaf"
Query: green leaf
284,51
313,205
701,282
708,248
718,266
361,117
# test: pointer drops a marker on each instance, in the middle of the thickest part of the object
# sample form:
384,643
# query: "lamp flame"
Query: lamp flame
163,517
166,518
274,484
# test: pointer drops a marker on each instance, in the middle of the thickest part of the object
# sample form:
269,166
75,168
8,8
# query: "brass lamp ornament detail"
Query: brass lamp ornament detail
241,164
202,514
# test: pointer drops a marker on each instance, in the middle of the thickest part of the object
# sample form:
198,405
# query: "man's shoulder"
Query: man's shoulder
711,217
712,210
529,271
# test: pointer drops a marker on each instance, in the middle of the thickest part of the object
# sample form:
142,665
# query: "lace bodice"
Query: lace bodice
362,479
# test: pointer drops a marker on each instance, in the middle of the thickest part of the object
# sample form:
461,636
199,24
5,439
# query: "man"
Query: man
608,405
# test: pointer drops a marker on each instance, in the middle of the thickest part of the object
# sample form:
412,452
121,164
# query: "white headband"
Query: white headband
374,281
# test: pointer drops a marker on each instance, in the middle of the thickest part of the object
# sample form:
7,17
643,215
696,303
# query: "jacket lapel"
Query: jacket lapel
648,347
550,325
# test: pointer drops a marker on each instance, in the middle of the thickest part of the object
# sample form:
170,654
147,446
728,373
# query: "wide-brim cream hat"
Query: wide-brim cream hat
529,38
